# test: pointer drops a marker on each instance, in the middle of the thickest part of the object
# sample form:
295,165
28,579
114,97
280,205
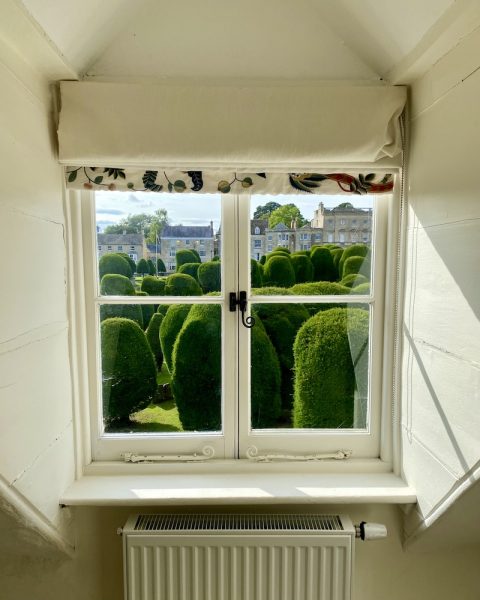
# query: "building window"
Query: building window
109,247
342,221
318,236
269,238
187,242
99,248
257,230
119,247
132,248
227,370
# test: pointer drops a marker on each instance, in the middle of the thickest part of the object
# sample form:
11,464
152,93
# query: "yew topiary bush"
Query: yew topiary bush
190,269
148,310
153,337
131,262
278,271
142,267
353,280
265,379
356,264
128,370
336,255
185,256
303,268
354,250
196,376
116,285
161,268
180,284
256,269
281,249
319,288
324,269
169,329
363,289
115,265
151,267
153,286
209,276
326,383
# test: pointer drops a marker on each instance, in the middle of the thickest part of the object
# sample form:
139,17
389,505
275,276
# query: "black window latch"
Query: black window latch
241,302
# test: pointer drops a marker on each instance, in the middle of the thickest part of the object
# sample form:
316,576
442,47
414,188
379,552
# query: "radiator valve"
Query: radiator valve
370,531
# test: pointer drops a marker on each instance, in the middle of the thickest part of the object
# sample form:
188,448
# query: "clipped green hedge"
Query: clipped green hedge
354,250
142,267
323,267
278,271
131,262
327,385
336,255
154,286
263,260
116,285
180,284
266,401
319,288
128,370
277,253
281,322
169,329
196,376
185,256
153,337
190,269
256,269
215,258
356,264
148,310
209,276
161,268
362,289
303,268
113,264
281,249
197,255
151,267
132,312
353,280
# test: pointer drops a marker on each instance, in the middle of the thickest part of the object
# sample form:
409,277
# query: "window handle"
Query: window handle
241,302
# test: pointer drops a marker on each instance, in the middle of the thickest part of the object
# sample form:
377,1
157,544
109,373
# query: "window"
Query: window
269,238
244,394
187,242
109,247
257,243
257,230
119,247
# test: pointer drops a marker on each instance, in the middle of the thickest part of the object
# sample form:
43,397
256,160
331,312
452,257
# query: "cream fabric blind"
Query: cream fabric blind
258,128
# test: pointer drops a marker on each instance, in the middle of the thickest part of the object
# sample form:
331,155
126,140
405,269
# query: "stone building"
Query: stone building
186,237
257,238
344,225
132,244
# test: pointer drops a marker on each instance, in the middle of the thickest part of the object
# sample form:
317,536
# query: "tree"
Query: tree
286,214
157,223
151,267
263,212
150,225
142,267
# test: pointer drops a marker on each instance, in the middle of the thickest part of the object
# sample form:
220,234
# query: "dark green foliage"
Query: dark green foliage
116,285
128,370
114,264
336,255
154,286
263,259
197,255
356,264
255,274
216,257
353,280
185,256
278,271
319,288
323,267
196,376
180,284
209,276
355,250
281,322
153,337
151,267
126,311
162,309
265,379
161,268
303,268
169,329
271,291
142,267
276,253
363,289
325,351
281,249
131,262
148,310
301,253
190,269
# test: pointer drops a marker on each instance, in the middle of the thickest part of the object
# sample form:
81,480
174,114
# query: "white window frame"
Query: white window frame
83,227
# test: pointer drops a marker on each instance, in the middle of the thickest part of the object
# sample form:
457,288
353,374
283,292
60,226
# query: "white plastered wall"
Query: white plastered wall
441,363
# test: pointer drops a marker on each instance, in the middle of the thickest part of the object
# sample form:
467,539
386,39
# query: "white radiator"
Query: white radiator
238,557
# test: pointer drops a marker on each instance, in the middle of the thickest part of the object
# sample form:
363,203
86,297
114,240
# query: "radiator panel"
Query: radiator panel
238,566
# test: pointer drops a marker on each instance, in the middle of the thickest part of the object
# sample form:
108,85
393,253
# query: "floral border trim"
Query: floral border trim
110,178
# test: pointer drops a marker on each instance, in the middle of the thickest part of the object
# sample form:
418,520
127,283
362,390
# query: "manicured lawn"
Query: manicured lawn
157,417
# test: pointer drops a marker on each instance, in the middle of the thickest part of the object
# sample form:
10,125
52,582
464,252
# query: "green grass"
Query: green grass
157,417
163,376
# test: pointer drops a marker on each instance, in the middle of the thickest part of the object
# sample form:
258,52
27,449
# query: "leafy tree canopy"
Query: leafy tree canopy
152,225
286,214
263,212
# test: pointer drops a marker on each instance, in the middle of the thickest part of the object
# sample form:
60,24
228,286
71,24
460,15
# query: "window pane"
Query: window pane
323,246
156,375
165,239
309,366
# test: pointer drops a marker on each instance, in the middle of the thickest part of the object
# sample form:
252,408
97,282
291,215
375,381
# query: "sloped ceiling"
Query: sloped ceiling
359,40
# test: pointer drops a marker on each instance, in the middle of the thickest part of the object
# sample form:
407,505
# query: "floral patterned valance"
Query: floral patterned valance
211,182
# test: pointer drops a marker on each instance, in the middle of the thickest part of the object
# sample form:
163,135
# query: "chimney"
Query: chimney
211,228
124,232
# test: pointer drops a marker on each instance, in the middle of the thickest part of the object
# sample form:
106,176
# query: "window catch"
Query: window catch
248,322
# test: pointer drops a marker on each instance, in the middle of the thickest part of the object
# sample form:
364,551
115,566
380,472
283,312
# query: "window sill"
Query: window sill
108,484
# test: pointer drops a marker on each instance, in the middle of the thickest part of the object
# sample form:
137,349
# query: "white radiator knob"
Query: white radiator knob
370,531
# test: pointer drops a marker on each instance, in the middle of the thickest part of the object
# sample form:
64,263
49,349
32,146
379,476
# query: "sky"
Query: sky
200,209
